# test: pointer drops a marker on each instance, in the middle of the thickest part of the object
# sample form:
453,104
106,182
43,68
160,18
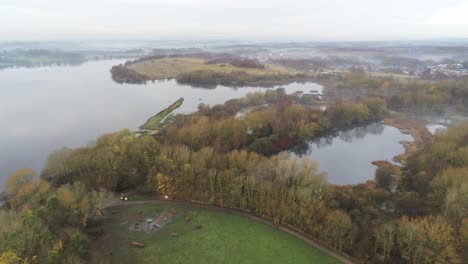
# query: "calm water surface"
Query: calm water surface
347,156
43,109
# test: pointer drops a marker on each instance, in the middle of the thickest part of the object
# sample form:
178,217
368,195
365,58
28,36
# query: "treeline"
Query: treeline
44,224
322,63
427,97
421,97
303,64
247,63
117,162
122,74
403,62
212,78
236,61
38,57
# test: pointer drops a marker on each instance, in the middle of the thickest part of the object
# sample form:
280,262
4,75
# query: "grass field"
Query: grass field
223,238
168,68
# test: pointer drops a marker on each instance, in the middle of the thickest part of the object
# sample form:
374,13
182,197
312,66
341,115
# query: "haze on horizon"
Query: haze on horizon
312,20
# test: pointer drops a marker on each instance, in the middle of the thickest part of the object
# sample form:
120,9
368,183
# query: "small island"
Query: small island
206,70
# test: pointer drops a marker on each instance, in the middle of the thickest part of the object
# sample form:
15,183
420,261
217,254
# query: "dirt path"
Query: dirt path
303,237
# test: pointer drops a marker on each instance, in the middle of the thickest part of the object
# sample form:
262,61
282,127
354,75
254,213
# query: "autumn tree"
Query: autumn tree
426,240
385,239
450,193
18,179
338,230
385,177
463,238
9,257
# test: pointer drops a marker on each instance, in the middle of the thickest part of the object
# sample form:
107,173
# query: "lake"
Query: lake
347,156
43,109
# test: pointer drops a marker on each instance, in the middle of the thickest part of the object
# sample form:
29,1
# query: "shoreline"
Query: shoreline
408,126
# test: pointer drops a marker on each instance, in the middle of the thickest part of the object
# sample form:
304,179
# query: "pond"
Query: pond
347,156
43,109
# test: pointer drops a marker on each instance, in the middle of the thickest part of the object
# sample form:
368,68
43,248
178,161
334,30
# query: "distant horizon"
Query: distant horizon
259,20
240,40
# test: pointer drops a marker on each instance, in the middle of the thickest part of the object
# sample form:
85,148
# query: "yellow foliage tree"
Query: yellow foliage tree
164,185
9,257
18,179
426,240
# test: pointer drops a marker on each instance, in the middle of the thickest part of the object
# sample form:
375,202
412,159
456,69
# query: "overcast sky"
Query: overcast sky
234,19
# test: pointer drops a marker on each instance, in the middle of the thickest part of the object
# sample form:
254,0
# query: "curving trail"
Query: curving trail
308,240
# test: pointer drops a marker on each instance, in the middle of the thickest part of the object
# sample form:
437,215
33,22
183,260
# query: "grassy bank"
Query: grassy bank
156,121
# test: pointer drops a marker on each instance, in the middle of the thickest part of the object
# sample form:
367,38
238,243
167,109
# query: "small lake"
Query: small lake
347,156
43,109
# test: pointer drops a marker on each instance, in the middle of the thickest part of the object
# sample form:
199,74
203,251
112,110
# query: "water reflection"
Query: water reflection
347,155
351,134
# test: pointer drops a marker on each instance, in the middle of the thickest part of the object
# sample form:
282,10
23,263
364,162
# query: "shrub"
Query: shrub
80,246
